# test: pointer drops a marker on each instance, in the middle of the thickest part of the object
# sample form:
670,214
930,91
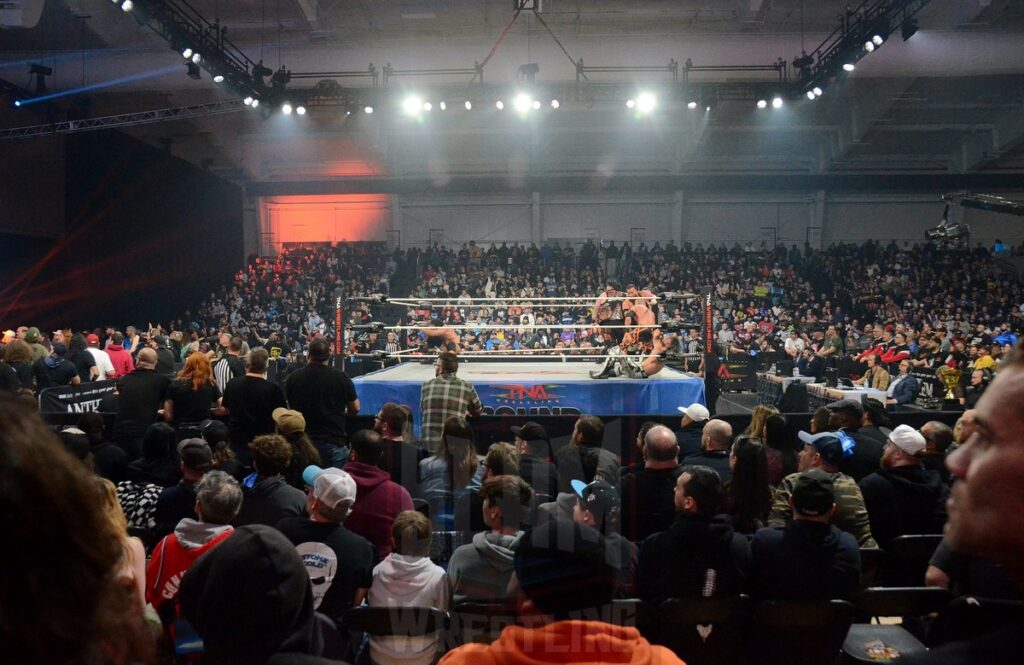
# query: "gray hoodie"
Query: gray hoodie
407,581
193,535
479,572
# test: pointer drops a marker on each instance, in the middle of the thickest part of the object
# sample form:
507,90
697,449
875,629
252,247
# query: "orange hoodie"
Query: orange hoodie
564,642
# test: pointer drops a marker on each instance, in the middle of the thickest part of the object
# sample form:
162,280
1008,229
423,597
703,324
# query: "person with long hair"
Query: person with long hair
157,464
16,369
65,601
455,467
131,570
756,427
192,396
83,361
292,426
780,448
748,496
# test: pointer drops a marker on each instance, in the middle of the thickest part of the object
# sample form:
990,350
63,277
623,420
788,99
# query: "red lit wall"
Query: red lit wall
327,218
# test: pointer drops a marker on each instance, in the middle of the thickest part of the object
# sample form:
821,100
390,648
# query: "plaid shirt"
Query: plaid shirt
442,397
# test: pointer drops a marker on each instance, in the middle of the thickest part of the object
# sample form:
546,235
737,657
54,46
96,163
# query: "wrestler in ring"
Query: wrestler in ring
438,336
633,308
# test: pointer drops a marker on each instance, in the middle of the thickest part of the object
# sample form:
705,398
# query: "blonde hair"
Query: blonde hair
757,420
112,512
411,534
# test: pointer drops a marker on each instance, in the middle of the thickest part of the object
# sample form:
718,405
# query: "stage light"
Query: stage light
707,109
286,108
468,105
908,29
248,101
811,95
255,103
427,106
127,5
849,67
522,103
817,91
187,53
196,58
535,105
869,46
412,105
368,110
219,78
500,104
17,102
646,102
192,70
762,103
878,40
444,107
777,103
630,103
300,109
691,105
554,104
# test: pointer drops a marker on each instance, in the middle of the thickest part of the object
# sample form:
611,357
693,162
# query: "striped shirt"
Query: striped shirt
441,398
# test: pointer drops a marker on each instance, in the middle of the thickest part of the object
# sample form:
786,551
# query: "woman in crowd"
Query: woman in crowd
756,427
455,468
16,369
748,495
131,569
191,397
216,434
68,595
82,359
779,448
292,426
159,464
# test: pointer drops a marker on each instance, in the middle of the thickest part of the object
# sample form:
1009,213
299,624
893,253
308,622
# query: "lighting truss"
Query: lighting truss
123,120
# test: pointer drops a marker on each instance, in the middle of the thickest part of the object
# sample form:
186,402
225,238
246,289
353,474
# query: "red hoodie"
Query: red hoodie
121,359
564,642
173,556
378,501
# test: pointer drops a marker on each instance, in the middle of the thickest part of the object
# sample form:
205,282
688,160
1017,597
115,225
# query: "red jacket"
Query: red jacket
378,502
121,359
173,555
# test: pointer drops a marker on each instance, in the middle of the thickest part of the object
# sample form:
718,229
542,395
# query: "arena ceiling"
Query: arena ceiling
950,100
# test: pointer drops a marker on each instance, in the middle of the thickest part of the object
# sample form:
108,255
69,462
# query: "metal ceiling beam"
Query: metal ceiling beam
123,120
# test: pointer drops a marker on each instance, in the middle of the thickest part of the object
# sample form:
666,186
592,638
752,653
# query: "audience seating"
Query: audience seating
805,633
480,622
871,561
703,631
969,616
908,603
907,559
396,621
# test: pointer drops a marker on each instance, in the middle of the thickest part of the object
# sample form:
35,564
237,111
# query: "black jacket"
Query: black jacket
540,473
903,501
804,561
269,501
696,555
867,455
648,501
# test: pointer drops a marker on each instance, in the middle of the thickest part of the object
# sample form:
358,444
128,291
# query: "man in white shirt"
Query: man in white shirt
103,363
794,345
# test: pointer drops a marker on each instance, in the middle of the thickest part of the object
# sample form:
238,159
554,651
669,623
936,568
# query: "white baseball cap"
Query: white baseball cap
696,412
907,439
331,486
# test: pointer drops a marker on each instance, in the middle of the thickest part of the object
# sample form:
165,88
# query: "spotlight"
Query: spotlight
427,106
522,103
691,105
817,91
286,108
219,78
849,67
444,107
500,104
535,105
368,110
468,105
255,103
412,105
127,5
192,70
908,29
811,95
707,109
300,109
646,102
196,58
869,46
187,53
248,101
554,104
761,103
630,103
878,39
17,102
777,102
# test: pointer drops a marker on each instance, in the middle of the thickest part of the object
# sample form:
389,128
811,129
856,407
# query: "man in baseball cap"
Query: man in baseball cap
808,559
535,467
691,428
903,497
825,452
598,506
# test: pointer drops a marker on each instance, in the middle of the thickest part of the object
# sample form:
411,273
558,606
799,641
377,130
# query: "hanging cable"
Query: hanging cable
553,36
494,48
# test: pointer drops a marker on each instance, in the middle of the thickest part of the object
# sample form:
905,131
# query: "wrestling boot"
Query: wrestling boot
608,369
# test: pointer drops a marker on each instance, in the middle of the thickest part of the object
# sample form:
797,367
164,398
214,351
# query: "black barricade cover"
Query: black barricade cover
83,398
738,373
